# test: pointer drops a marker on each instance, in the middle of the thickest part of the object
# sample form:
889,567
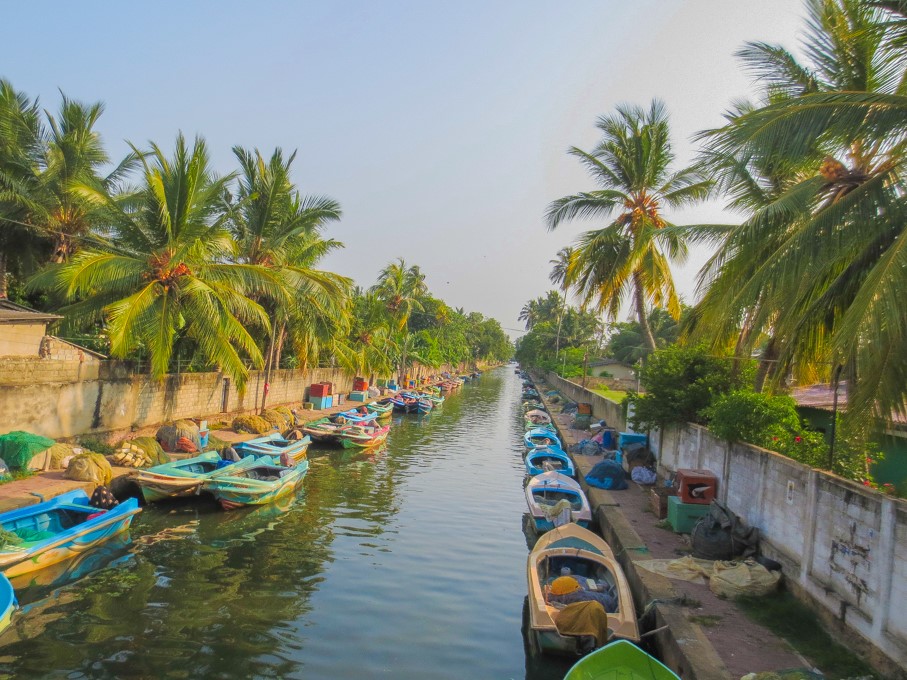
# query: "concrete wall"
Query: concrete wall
602,409
68,398
21,339
843,545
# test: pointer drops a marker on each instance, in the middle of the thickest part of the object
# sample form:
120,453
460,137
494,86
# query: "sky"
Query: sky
441,128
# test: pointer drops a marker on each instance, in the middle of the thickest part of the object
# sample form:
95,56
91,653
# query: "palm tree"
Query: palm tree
559,277
163,270
400,288
836,271
21,136
629,256
277,229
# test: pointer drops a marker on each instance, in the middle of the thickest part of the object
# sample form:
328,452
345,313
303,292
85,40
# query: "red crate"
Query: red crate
360,385
696,486
322,389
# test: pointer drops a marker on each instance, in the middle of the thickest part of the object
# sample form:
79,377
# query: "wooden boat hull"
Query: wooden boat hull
177,479
235,492
551,487
590,559
620,660
323,431
67,543
365,441
8,603
275,445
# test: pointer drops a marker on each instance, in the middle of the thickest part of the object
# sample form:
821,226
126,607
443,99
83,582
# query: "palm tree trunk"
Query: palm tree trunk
765,363
269,363
641,312
560,318
4,289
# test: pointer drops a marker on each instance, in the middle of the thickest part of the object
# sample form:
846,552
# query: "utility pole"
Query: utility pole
836,377
585,362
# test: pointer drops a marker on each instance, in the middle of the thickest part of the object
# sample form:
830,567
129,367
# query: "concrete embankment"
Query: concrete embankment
46,485
680,643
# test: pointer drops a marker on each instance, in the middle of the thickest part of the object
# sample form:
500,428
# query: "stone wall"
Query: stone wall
21,339
68,398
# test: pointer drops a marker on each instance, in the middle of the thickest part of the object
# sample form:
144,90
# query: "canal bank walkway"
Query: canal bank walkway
45,485
706,638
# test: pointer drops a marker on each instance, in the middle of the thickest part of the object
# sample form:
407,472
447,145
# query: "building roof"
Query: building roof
823,397
10,312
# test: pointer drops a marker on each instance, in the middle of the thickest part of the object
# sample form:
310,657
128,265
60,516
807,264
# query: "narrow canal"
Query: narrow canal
407,563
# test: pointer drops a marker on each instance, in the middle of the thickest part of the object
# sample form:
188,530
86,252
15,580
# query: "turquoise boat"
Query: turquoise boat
620,660
274,445
548,458
182,478
262,483
8,603
58,529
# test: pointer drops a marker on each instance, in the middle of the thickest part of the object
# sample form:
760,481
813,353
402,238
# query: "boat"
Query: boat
354,417
323,430
8,602
620,659
548,458
536,417
274,445
554,498
436,399
362,437
404,404
181,478
539,437
384,408
262,483
424,406
569,551
57,529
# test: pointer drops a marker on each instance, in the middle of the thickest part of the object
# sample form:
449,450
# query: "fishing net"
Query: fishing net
18,448
54,458
277,419
8,538
251,424
169,436
89,467
140,452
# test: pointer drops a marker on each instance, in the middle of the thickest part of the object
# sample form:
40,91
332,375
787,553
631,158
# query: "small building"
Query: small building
22,330
23,335
611,368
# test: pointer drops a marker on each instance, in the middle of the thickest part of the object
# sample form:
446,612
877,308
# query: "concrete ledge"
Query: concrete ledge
682,645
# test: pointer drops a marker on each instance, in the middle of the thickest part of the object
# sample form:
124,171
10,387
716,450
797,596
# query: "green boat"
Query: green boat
620,660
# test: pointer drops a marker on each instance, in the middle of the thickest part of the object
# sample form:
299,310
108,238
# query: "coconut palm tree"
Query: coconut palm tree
836,271
21,133
277,229
559,277
400,288
163,269
629,256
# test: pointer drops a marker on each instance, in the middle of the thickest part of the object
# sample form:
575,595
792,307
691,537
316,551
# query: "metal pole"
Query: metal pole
834,415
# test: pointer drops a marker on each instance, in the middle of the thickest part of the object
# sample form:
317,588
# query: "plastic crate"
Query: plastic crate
683,516
360,385
696,486
319,390
625,438
320,403
358,396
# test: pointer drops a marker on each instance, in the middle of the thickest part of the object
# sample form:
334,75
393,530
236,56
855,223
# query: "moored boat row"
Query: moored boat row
578,598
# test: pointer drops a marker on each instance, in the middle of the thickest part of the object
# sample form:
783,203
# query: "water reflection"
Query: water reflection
405,562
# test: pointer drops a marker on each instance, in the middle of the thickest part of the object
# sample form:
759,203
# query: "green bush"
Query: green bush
681,383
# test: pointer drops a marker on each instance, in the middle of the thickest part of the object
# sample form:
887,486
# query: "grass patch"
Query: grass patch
707,620
96,445
613,395
792,620
15,475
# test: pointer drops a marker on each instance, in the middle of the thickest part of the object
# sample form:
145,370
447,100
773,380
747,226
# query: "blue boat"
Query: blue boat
8,602
548,458
539,437
424,406
274,445
58,529
354,417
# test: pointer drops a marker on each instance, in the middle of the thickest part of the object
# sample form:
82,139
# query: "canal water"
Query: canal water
406,563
